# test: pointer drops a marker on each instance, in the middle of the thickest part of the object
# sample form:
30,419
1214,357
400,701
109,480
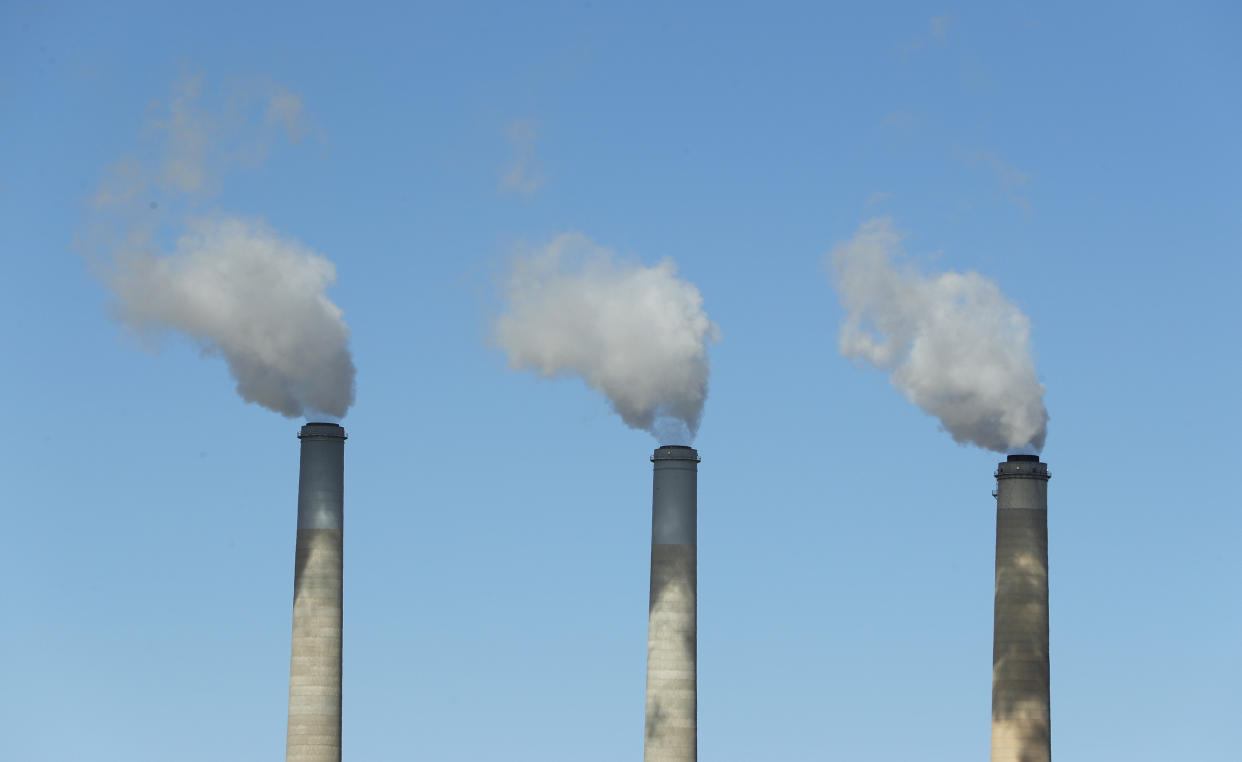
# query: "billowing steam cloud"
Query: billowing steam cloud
955,346
241,291
232,285
637,334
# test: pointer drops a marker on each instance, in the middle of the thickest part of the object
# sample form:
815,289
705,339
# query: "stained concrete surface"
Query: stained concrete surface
1021,696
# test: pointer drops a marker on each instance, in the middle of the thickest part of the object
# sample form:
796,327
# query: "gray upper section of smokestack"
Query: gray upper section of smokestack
321,489
1025,480
674,498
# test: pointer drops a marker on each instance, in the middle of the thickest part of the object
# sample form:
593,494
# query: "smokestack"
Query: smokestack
314,733
1021,710
672,635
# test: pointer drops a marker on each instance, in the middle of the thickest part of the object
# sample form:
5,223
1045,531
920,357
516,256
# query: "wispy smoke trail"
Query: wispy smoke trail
955,346
637,334
521,176
232,285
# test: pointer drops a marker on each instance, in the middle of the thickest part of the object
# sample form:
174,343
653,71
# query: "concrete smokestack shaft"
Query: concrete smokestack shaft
672,635
314,732
1021,706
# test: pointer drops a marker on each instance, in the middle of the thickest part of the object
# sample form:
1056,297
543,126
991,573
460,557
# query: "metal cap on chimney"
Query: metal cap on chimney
676,452
320,429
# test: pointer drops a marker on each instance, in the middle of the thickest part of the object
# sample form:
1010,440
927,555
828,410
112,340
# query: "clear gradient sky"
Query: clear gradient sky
1085,158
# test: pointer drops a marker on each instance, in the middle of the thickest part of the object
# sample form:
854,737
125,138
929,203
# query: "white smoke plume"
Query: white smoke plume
637,334
955,346
232,285
243,292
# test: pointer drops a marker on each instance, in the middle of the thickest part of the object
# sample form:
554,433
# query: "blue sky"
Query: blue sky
1085,159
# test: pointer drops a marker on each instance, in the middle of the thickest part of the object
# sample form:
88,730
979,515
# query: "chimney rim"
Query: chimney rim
322,429
675,453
